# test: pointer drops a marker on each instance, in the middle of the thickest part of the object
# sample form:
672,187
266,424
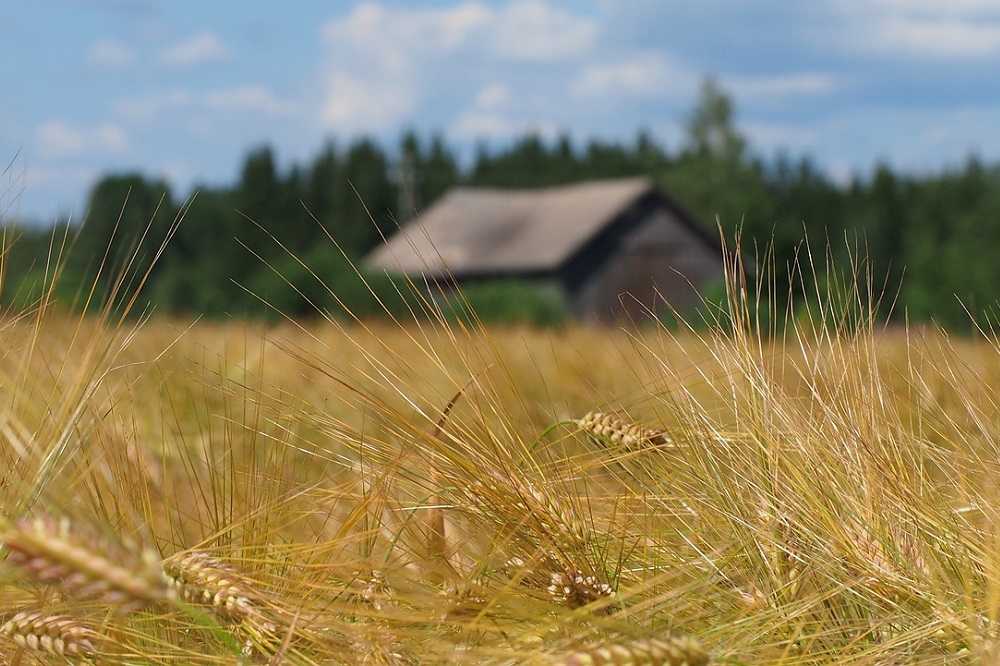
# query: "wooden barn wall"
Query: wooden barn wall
653,253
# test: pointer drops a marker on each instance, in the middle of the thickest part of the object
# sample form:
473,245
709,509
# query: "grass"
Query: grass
403,493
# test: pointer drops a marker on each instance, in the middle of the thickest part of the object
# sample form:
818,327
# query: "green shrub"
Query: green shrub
507,301
324,281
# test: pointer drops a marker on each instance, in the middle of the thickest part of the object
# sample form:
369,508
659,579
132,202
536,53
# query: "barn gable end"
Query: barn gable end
618,249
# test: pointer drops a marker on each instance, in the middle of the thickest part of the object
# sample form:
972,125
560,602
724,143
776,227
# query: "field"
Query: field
379,493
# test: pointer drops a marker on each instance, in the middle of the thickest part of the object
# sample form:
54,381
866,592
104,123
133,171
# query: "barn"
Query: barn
616,249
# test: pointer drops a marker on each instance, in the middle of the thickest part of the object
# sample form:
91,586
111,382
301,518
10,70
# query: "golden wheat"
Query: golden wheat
612,430
677,651
887,558
841,419
51,551
373,640
556,521
202,579
576,589
53,634
376,592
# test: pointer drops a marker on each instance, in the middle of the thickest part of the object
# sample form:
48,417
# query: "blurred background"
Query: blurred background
866,125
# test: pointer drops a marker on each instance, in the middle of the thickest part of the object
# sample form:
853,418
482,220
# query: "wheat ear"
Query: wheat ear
678,651
576,589
612,431
881,557
52,634
557,520
199,578
53,552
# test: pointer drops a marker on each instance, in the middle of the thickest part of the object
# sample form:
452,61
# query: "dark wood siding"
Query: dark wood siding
648,258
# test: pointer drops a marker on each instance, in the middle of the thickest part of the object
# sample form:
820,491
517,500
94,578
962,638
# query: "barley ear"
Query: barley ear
677,651
50,551
557,520
199,578
576,589
612,431
52,634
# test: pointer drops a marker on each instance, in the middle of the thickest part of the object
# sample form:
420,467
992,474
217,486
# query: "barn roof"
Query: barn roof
472,231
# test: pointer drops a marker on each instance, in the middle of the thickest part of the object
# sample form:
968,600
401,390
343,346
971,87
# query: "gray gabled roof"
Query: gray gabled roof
475,231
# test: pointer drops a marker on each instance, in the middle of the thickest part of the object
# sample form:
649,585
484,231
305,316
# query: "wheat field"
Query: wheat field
415,492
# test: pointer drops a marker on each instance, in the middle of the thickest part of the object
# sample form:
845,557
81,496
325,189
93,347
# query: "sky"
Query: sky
183,89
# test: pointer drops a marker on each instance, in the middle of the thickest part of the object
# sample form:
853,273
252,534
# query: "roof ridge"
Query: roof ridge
495,230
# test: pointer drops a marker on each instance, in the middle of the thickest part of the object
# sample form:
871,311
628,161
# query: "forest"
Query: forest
285,241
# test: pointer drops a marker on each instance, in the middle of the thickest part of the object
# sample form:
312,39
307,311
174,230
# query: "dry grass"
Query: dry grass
399,493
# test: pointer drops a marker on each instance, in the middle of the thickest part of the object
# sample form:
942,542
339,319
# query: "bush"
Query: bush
507,301
326,282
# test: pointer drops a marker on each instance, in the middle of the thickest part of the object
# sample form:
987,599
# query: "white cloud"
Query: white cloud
381,62
151,107
937,37
488,116
205,47
58,138
147,107
642,74
476,124
390,39
354,104
249,99
936,7
117,3
909,139
927,29
60,188
175,170
801,83
376,58
493,96
771,136
370,22
535,31
108,55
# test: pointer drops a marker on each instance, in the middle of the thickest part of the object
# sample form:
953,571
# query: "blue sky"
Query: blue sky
182,89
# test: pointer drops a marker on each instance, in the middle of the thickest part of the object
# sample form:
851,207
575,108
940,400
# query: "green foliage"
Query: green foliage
531,163
128,219
710,130
326,282
926,243
23,255
713,311
423,175
204,262
505,302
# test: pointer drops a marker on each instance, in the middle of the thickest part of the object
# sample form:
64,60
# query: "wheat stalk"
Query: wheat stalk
505,496
784,552
463,601
53,552
536,572
53,634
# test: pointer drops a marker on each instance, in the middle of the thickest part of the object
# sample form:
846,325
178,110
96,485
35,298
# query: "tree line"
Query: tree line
288,240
